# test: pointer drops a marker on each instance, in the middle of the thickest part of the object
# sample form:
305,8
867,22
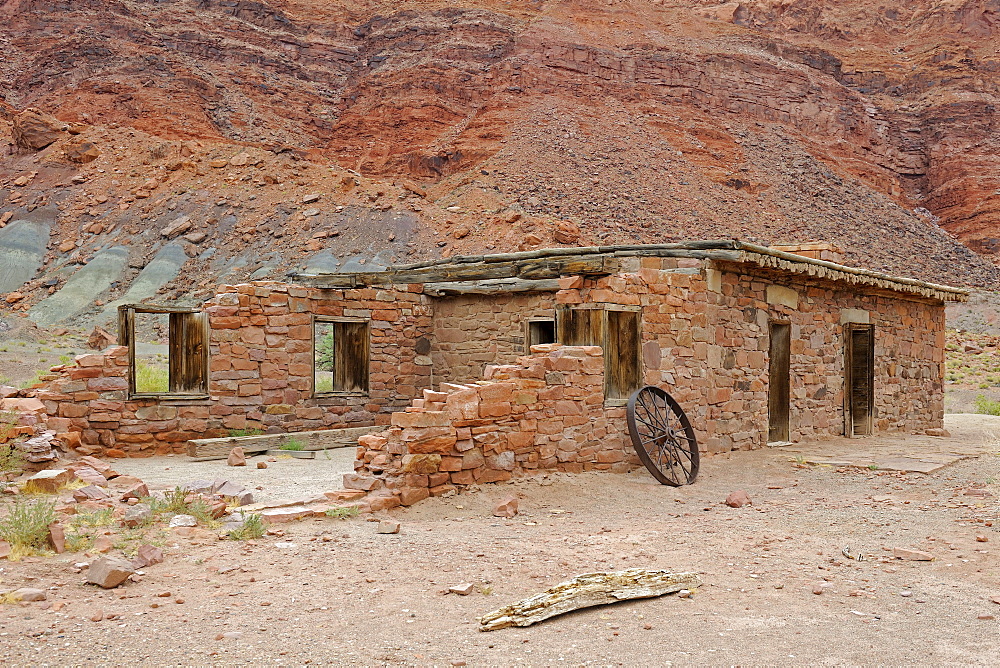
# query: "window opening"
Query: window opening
168,350
541,331
340,356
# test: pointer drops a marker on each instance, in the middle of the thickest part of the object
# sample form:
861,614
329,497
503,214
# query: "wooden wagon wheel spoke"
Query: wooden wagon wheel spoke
662,436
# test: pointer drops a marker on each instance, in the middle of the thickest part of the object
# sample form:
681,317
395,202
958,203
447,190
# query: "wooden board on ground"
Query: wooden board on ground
588,590
323,439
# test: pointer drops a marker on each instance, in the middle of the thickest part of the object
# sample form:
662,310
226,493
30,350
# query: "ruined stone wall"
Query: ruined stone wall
705,339
260,373
544,413
473,331
262,355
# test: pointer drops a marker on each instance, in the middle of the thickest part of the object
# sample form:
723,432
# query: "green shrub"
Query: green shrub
150,378
292,444
252,528
94,518
26,528
245,432
987,406
343,513
324,382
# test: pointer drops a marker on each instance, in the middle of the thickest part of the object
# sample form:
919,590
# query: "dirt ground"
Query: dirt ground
335,591
284,478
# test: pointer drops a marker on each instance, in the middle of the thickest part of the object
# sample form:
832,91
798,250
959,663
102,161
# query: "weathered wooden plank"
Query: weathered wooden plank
588,590
501,286
323,439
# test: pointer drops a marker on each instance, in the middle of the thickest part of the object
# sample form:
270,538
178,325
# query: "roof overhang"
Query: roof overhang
538,268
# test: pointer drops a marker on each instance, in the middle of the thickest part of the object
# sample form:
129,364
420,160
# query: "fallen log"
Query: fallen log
588,590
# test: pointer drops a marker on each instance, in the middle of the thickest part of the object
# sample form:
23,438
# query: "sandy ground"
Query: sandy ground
335,591
286,478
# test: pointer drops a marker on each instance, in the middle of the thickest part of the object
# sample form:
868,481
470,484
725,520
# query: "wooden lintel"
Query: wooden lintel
502,286
531,268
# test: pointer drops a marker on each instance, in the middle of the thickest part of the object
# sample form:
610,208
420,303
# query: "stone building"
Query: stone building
490,366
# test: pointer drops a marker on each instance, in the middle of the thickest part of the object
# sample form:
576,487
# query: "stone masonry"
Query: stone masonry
704,337
544,413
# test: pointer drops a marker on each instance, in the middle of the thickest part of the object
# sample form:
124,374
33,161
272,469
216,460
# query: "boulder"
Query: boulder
90,493
178,227
566,233
57,537
388,526
100,338
34,130
236,457
506,508
147,555
109,572
137,515
29,594
82,152
738,499
48,481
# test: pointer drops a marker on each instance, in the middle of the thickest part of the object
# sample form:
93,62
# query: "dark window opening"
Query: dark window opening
340,357
779,382
541,331
167,350
859,381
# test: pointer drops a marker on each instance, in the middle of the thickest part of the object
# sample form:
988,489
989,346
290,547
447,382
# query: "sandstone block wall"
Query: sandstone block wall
474,331
704,333
261,355
706,340
544,413
260,373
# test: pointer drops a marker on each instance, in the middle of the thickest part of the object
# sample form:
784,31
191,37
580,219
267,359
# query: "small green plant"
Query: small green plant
292,444
987,406
79,541
252,528
26,528
149,378
94,518
33,380
324,382
175,503
873,467
65,359
342,513
246,432
11,459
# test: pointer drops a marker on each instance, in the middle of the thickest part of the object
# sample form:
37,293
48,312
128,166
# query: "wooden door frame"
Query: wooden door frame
849,329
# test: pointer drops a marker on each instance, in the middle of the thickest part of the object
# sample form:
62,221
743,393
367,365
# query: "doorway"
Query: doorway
859,381
779,381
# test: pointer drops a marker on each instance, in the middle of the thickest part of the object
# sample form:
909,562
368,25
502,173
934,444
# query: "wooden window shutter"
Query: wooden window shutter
188,353
622,354
580,326
350,357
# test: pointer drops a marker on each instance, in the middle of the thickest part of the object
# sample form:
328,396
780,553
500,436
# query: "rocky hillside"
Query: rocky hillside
182,143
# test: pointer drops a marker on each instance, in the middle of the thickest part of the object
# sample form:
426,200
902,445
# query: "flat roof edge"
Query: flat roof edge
579,257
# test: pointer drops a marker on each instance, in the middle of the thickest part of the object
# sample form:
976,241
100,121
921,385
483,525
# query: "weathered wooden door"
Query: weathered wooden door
779,381
859,380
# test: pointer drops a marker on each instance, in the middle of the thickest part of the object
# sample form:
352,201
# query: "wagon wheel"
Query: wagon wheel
662,436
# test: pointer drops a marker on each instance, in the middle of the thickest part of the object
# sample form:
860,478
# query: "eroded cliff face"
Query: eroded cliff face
513,124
